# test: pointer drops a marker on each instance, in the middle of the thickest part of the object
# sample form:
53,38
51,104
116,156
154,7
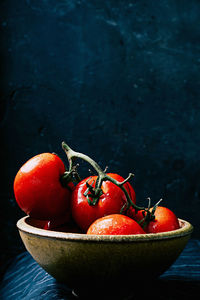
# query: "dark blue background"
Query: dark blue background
117,80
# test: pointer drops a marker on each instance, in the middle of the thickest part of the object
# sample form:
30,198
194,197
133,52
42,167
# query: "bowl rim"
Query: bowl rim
22,225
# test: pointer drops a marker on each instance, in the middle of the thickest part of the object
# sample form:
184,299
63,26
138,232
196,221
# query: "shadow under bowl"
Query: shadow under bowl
102,263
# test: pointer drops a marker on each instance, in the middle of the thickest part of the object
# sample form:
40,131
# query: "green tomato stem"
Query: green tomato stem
102,176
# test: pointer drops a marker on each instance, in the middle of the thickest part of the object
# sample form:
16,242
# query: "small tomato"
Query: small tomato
165,220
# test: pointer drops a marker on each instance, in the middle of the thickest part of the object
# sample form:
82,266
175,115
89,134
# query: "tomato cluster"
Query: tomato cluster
103,204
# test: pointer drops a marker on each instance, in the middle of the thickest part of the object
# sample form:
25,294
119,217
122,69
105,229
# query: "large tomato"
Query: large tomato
38,189
115,224
110,202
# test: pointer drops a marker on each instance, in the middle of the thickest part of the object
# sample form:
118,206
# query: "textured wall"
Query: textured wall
118,80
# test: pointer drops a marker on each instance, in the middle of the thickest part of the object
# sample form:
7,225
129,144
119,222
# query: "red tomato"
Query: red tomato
137,216
58,222
165,220
62,227
115,224
110,202
38,190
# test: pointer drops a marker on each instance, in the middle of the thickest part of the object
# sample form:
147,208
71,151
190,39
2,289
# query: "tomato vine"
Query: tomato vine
93,193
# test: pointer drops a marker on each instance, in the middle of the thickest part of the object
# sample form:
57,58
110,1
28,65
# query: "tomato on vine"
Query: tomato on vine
86,207
44,190
161,219
165,220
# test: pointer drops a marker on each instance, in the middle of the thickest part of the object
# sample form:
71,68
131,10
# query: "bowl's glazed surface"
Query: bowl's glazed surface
85,261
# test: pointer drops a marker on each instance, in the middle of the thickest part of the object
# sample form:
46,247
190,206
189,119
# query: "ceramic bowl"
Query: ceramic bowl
89,263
